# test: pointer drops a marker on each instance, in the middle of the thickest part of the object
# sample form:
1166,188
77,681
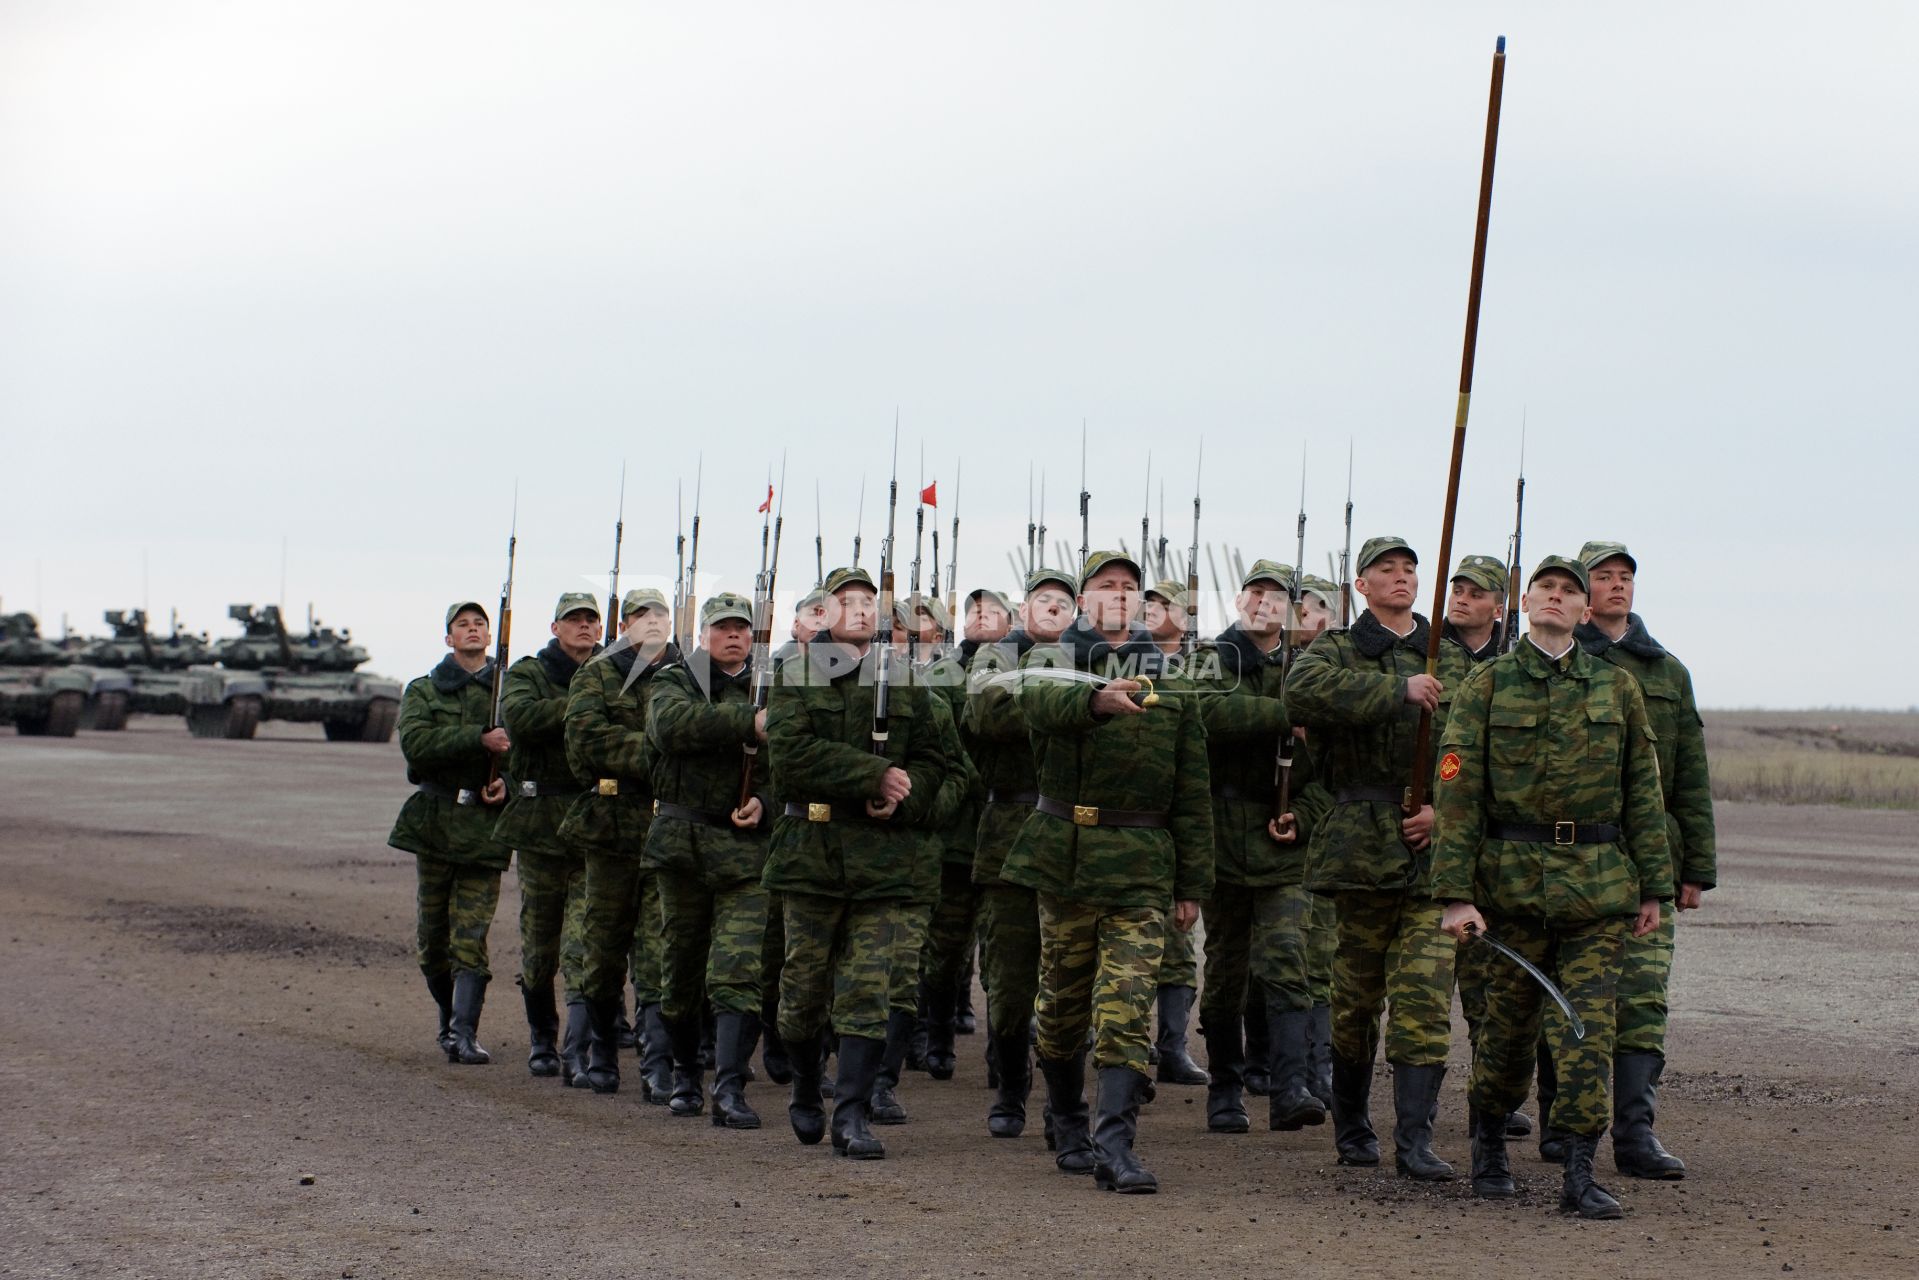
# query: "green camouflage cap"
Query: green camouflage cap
1594,553
641,598
850,576
1043,575
1573,567
1374,548
989,594
1482,571
574,600
726,604
1268,571
1170,590
1325,589
817,596
454,610
1100,559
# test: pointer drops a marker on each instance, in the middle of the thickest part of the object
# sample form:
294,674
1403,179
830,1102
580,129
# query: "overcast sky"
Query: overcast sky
341,274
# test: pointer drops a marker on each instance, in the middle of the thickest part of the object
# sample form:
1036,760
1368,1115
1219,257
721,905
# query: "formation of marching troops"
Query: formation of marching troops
802,855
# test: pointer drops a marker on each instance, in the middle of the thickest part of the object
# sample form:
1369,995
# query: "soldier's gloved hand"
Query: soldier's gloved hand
1423,691
747,816
494,792
1648,918
1116,699
1691,897
1284,828
1185,915
759,723
1417,831
1462,920
895,785
496,741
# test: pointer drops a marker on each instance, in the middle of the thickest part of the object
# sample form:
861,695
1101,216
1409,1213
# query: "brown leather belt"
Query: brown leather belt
685,813
1087,815
811,812
1012,797
1376,795
1559,833
458,795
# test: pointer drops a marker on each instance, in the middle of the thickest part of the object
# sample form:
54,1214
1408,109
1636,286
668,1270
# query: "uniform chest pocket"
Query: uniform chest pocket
1512,737
1605,736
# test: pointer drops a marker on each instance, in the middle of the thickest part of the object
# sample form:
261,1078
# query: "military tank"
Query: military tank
164,670
309,677
45,691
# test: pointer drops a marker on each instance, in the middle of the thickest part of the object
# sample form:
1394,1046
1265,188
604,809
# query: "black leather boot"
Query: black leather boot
1552,1142
940,1012
1518,1124
1258,1043
603,1046
1353,1134
1492,1175
992,1061
916,1041
773,1055
469,997
1007,1116
1072,1142
1319,1054
1415,1095
1581,1195
733,1036
656,1057
859,1065
688,1095
1226,1060
804,1112
1176,1065
573,1045
1115,1167
625,1034
884,1107
1636,1152
708,1058
1290,1105
542,1031
965,1021
440,987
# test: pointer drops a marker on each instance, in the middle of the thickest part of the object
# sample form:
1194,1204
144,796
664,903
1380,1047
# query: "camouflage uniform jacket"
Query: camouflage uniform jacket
533,706
819,721
1535,740
698,735
608,751
1154,761
1244,711
958,780
1485,653
1001,747
1682,744
945,676
1349,689
442,716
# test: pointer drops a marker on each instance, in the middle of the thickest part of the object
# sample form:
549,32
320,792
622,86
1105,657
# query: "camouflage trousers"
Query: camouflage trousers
1179,962
1392,959
612,909
552,920
1098,970
903,970
456,902
646,960
949,938
714,939
1009,956
1645,970
1322,940
839,961
1586,958
1254,936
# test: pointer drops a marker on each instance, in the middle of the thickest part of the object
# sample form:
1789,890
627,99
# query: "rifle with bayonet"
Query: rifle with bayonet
1509,634
1085,502
914,603
1346,551
684,637
763,586
883,636
1145,525
1283,823
1031,529
1192,560
613,577
952,566
819,540
502,646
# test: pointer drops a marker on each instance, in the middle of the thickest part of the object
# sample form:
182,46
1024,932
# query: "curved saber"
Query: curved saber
1148,697
1545,983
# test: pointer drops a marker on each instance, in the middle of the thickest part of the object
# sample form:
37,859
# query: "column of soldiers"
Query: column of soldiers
1077,785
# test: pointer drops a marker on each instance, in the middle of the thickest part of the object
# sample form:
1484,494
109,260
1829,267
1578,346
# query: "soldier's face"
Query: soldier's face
728,641
986,621
1612,583
1111,598
469,633
1313,617
1471,607
1049,611
1555,603
809,622
1162,619
1262,607
1390,582
855,614
930,630
577,630
648,628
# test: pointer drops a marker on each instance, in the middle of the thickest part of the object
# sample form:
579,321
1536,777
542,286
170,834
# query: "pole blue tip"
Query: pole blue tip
1502,45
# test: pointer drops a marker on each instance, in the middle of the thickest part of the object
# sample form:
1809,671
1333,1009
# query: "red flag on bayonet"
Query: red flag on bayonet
928,496
768,504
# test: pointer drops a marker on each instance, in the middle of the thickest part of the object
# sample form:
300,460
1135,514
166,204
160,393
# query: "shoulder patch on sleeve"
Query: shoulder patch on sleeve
1449,766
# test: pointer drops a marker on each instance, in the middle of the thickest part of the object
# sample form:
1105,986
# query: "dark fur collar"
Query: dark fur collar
1372,639
1637,641
1088,649
559,667
451,677
1487,654
1238,653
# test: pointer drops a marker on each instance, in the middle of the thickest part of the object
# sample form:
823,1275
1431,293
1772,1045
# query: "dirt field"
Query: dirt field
209,995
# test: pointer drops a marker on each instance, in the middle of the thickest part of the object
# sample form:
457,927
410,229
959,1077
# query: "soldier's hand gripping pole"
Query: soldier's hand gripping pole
1423,745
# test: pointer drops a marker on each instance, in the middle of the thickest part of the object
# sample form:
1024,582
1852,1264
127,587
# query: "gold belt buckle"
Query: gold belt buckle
819,813
1564,832
609,786
1086,815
